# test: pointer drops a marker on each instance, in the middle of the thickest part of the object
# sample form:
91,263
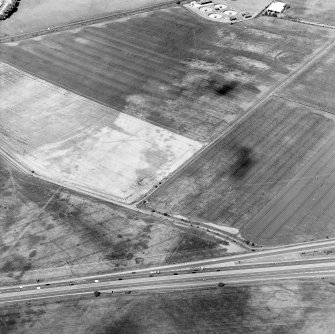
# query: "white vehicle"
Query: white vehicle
96,281
198,268
155,272
38,288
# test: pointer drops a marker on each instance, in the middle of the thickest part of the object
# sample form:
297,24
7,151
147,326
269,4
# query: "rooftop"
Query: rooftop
277,6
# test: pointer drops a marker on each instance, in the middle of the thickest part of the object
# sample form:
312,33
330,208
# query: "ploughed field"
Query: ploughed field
304,209
316,86
232,181
170,67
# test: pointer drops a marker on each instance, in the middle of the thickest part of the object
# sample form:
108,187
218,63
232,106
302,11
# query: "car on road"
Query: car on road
155,272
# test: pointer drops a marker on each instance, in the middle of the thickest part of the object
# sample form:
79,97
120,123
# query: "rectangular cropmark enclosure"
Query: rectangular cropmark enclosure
76,142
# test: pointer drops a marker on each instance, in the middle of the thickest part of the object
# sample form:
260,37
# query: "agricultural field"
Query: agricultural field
81,144
316,85
49,232
33,15
170,67
304,209
242,172
321,11
299,307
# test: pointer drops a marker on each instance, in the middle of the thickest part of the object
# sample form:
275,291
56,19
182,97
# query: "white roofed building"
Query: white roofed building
276,8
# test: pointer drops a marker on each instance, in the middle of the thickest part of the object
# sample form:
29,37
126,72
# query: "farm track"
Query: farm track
306,88
82,23
308,62
317,109
308,143
303,21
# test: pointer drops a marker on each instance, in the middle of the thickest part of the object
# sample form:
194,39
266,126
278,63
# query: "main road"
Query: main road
170,277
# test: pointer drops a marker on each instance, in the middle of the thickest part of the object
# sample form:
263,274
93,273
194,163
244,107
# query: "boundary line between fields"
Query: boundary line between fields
315,109
309,61
302,21
83,23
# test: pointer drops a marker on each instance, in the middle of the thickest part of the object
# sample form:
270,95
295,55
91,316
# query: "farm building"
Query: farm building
276,8
205,2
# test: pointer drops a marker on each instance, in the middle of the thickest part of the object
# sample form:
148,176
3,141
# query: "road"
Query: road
310,268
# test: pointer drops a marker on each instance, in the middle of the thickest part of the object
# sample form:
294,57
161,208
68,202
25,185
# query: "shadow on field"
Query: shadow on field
222,88
244,161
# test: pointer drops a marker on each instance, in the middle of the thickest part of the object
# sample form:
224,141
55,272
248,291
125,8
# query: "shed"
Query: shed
276,8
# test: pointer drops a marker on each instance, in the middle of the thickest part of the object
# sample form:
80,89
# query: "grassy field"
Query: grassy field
79,143
171,67
48,232
290,307
34,15
241,173
316,85
321,11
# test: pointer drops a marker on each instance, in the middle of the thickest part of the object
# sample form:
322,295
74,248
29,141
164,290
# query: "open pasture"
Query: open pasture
316,85
78,143
170,67
290,306
241,173
321,11
48,232
304,209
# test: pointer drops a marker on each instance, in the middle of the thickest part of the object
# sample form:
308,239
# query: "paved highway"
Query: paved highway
141,281
224,263
171,279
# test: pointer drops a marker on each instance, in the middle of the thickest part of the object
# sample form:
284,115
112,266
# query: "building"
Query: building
276,8
204,2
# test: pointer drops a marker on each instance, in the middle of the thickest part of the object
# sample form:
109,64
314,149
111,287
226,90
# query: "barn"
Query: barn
276,8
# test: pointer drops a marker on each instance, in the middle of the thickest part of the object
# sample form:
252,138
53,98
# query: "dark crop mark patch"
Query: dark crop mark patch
32,253
245,160
218,87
